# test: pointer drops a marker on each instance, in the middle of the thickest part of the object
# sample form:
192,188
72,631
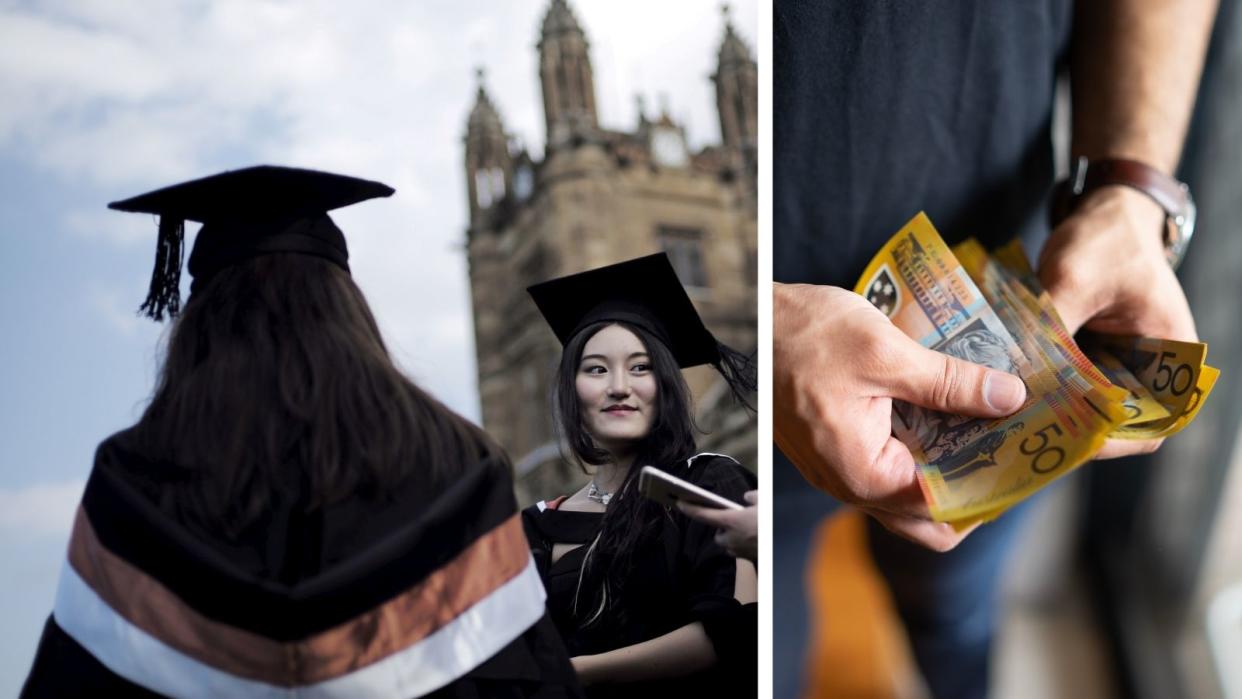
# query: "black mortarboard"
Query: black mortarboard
645,292
254,211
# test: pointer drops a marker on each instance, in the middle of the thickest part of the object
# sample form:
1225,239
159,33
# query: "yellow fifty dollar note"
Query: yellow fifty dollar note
1173,373
971,467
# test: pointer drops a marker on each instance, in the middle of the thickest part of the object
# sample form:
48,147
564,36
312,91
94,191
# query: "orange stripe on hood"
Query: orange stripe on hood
481,568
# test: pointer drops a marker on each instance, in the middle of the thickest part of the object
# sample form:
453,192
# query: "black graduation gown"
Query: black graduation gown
415,594
680,575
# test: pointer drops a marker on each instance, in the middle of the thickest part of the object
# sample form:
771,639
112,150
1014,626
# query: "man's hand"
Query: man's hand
1105,269
738,533
838,363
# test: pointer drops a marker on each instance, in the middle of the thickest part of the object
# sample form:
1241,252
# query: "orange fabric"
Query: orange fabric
492,560
858,646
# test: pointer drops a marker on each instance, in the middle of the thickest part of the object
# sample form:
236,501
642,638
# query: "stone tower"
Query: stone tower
489,168
566,77
601,195
737,97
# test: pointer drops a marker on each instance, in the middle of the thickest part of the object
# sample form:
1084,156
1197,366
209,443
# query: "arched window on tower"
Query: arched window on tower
739,110
489,186
562,84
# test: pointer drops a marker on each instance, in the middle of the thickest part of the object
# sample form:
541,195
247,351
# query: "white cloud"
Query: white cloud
100,223
42,509
118,312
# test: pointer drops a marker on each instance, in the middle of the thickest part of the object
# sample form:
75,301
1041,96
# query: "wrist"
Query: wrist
1143,221
1144,196
787,314
784,297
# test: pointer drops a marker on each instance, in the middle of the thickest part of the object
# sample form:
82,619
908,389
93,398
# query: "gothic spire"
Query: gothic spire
560,19
483,116
733,50
489,167
566,76
737,85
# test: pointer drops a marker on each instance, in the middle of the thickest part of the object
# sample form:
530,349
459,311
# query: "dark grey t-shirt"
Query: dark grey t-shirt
883,108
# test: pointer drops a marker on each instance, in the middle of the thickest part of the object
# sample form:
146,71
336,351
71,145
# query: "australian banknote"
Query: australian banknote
971,467
989,309
1157,407
1172,373
1174,380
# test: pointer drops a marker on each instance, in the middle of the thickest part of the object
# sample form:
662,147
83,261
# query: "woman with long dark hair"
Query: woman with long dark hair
647,603
291,515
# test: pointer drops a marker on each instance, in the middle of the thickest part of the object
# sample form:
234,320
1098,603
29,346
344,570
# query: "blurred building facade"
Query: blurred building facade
596,197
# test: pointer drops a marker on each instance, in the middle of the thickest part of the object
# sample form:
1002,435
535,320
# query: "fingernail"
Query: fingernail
1003,392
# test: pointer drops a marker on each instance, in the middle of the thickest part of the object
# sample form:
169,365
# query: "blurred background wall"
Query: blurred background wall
1163,534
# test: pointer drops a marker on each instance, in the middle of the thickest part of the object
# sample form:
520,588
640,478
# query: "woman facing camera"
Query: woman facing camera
291,516
647,603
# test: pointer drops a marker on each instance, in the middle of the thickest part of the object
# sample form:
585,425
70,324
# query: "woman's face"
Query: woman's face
616,388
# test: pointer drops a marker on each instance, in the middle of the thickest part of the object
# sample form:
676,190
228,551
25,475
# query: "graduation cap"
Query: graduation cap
644,292
253,211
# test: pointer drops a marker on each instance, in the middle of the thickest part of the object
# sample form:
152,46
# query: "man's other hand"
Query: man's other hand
1105,269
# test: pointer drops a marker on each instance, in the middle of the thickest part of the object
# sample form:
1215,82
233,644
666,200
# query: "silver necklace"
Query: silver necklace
597,495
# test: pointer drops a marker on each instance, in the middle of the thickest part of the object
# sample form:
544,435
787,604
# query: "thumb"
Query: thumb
950,385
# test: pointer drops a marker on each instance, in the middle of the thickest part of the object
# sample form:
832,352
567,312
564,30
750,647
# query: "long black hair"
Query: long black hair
276,383
629,517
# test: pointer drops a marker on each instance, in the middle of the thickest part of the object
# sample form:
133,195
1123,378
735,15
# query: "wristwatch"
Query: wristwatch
1172,196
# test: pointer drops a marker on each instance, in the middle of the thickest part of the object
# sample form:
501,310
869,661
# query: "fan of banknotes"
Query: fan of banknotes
990,309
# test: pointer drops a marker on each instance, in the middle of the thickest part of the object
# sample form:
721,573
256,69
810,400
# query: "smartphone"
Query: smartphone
668,489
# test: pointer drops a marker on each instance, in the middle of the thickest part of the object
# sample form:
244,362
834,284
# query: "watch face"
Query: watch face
668,148
1181,229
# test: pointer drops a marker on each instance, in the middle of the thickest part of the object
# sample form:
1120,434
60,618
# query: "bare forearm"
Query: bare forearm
1135,72
678,652
746,582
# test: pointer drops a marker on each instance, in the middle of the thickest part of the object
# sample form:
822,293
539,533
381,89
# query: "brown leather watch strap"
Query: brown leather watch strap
1166,191
1171,195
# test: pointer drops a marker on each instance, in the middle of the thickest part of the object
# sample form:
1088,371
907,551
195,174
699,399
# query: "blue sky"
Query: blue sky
104,99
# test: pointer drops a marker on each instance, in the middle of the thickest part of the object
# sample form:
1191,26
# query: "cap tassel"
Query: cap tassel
165,292
739,372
